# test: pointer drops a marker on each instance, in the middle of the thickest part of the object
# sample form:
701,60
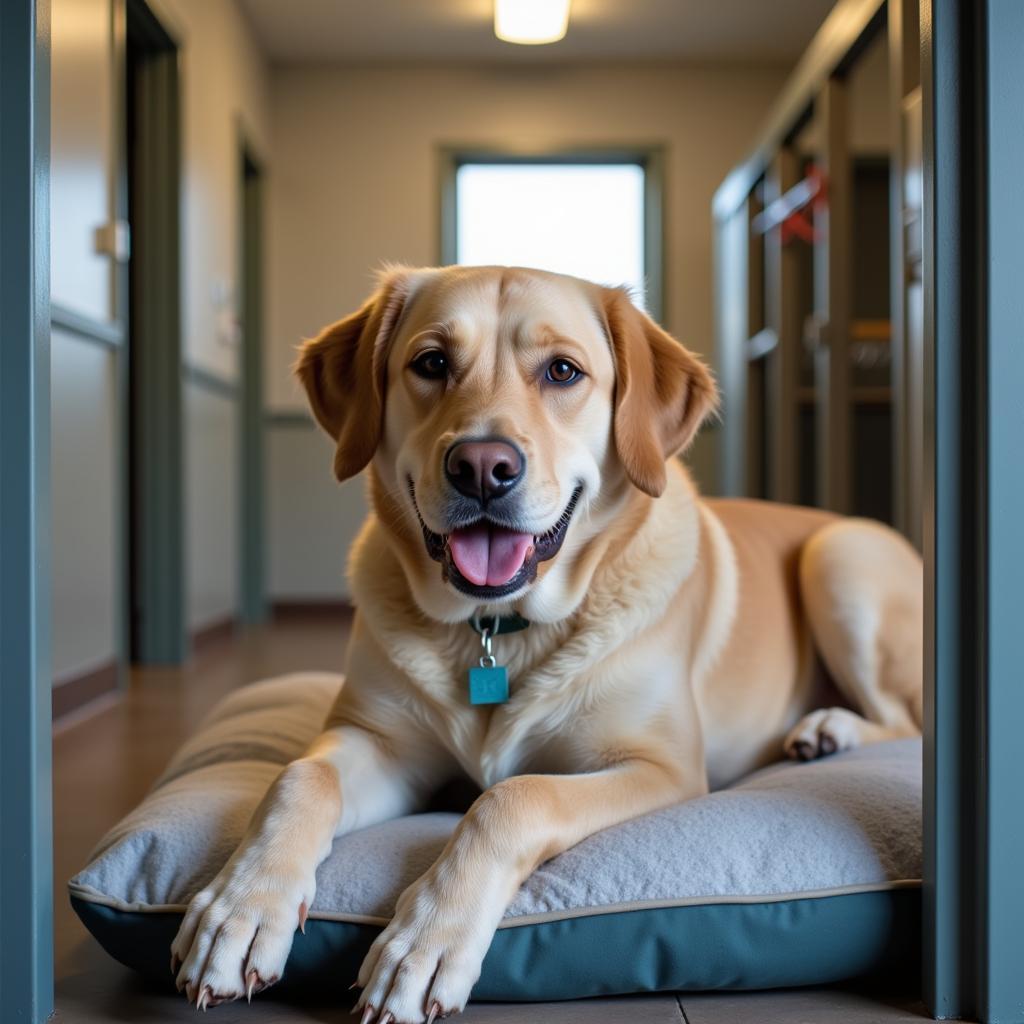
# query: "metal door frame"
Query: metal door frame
26,852
973,89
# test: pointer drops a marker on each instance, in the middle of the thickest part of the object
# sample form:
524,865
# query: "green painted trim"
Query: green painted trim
211,382
252,586
650,157
26,852
289,419
727,946
159,629
86,328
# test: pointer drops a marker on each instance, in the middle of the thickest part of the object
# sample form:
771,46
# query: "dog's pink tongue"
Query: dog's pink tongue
489,555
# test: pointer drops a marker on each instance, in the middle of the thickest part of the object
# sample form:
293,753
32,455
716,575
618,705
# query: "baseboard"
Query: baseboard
306,609
214,634
77,691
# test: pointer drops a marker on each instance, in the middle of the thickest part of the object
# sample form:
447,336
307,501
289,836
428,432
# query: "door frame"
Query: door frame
154,484
26,854
973,92
252,599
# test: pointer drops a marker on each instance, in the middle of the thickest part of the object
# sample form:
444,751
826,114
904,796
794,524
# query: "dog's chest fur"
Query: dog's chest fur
572,702
581,690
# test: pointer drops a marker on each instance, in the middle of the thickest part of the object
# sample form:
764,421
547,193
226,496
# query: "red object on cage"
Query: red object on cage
797,224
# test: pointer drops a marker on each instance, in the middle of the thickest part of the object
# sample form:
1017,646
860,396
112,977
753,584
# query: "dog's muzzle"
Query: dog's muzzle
488,559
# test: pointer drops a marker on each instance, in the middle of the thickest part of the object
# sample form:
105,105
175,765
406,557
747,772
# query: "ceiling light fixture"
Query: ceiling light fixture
531,22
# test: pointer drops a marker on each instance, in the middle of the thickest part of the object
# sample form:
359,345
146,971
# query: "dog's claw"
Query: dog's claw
387,1018
435,1009
203,999
355,984
251,980
303,914
368,1014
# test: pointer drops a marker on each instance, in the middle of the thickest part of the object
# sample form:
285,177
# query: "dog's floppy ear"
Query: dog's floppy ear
343,370
663,393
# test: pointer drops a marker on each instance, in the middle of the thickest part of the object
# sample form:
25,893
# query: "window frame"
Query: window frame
651,158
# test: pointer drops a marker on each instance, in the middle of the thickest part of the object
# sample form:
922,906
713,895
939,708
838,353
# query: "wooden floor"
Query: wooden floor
104,763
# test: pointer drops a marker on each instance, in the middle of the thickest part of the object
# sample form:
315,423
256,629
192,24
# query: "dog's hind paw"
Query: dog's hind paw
823,732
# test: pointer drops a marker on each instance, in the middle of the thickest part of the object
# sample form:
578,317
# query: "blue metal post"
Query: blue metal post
973,87
26,897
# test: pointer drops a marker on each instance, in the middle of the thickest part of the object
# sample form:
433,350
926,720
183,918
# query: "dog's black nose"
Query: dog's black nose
484,469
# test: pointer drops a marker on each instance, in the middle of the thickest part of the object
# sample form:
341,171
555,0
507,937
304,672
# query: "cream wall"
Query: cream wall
311,520
82,141
85,495
355,170
355,182
224,94
211,504
85,420
224,91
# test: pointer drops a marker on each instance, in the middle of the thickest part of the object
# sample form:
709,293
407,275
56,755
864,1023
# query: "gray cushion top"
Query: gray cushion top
848,823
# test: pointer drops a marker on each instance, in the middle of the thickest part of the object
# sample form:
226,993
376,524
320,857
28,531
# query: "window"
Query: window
585,216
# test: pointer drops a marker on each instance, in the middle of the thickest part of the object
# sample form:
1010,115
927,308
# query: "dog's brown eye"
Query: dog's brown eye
432,365
561,371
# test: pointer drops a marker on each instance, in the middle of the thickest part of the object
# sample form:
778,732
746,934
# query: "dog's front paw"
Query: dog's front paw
237,932
426,961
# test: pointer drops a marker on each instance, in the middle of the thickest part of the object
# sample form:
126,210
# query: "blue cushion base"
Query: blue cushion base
730,946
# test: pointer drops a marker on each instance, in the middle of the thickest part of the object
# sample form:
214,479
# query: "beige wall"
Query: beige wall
85,495
211,505
355,173
85,420
224,91
82,140
311,520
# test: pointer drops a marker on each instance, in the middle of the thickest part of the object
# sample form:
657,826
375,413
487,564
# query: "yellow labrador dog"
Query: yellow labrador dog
519,429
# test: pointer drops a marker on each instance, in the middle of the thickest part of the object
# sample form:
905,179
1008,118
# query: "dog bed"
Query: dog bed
799,874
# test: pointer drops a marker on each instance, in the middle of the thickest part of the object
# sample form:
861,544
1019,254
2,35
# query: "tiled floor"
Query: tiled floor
104,764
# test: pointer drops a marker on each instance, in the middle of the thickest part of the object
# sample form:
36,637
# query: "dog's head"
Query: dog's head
506,414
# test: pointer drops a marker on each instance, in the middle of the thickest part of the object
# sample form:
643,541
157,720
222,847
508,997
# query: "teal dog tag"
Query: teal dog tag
488,684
